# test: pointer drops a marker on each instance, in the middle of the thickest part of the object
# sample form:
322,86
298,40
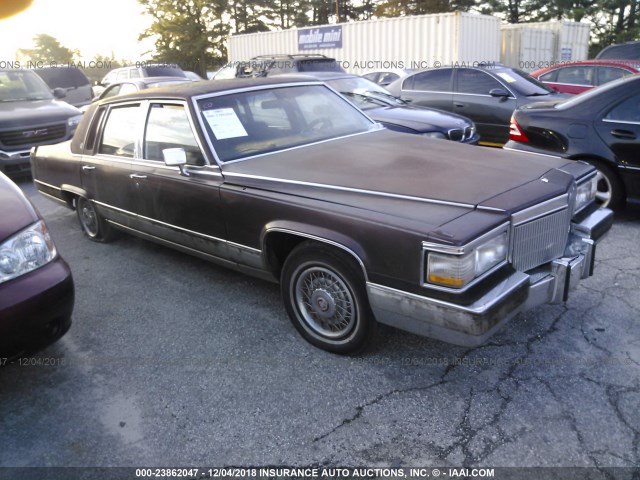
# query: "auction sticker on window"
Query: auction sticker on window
224,123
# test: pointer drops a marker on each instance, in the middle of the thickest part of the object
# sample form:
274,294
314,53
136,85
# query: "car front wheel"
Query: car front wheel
93,225
324,294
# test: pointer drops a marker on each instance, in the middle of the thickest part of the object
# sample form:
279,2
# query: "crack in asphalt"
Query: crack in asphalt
613,393
360,408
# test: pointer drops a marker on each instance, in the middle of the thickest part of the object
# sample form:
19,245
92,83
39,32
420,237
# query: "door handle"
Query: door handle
625,134
137,175
88,167
459,105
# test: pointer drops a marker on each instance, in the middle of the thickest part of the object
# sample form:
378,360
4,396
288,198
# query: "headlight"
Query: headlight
26,251
586,193
438,135
73,122
456,270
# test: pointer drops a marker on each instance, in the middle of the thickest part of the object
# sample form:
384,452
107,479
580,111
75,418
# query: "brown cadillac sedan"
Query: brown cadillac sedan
288,181
36,286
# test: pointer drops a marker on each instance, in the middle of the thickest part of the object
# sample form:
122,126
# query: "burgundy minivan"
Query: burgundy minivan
36,286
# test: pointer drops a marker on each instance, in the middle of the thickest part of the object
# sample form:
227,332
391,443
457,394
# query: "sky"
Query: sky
95,27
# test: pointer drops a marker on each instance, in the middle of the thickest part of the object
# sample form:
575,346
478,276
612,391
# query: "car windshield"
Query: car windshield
523,84
262,121
18,86
364,93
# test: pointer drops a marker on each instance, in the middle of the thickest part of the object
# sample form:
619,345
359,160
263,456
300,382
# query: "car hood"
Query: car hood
405,175
34,113
16,211
416,118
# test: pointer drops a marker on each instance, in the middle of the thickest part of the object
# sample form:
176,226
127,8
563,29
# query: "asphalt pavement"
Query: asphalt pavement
172,361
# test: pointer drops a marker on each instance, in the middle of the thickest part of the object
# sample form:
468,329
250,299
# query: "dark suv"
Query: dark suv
30,115
269,65
74,82
620,51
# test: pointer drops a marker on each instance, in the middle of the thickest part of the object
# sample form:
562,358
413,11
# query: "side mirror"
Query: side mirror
499,92
176,157
59,93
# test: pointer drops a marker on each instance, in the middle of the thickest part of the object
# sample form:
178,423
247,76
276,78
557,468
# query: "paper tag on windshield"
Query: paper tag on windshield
506,77
224,123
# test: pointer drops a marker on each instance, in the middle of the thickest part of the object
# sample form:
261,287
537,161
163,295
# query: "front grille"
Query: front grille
460,134
540,240
31,136
468,133
456,134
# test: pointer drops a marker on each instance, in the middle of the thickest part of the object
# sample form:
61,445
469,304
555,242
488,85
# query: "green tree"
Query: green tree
249,17
616,21
190,33
48,49
397,8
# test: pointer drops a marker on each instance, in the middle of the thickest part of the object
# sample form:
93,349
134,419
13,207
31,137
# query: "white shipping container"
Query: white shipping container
525,48
570,43
422,41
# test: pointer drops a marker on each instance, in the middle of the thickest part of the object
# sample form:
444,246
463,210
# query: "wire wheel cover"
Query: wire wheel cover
325,302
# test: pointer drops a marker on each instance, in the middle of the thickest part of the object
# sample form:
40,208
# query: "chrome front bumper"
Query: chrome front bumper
474,324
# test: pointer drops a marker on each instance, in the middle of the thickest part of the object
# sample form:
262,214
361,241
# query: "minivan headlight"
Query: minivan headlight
457,270
26,251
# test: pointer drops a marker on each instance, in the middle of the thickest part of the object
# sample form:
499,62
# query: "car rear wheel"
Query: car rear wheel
93,225
610,191
324,294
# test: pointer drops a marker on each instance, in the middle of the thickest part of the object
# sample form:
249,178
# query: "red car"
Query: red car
36,286
577,77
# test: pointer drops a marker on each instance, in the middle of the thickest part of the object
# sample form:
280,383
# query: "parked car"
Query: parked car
269,65
487,95
289,181
396,114
578,77
385,77
148,70
130,86
193,76
601,126
30,115
36,285
73,81
626,51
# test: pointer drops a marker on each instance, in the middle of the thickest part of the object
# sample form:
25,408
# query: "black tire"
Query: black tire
323,290
610,192
92,224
